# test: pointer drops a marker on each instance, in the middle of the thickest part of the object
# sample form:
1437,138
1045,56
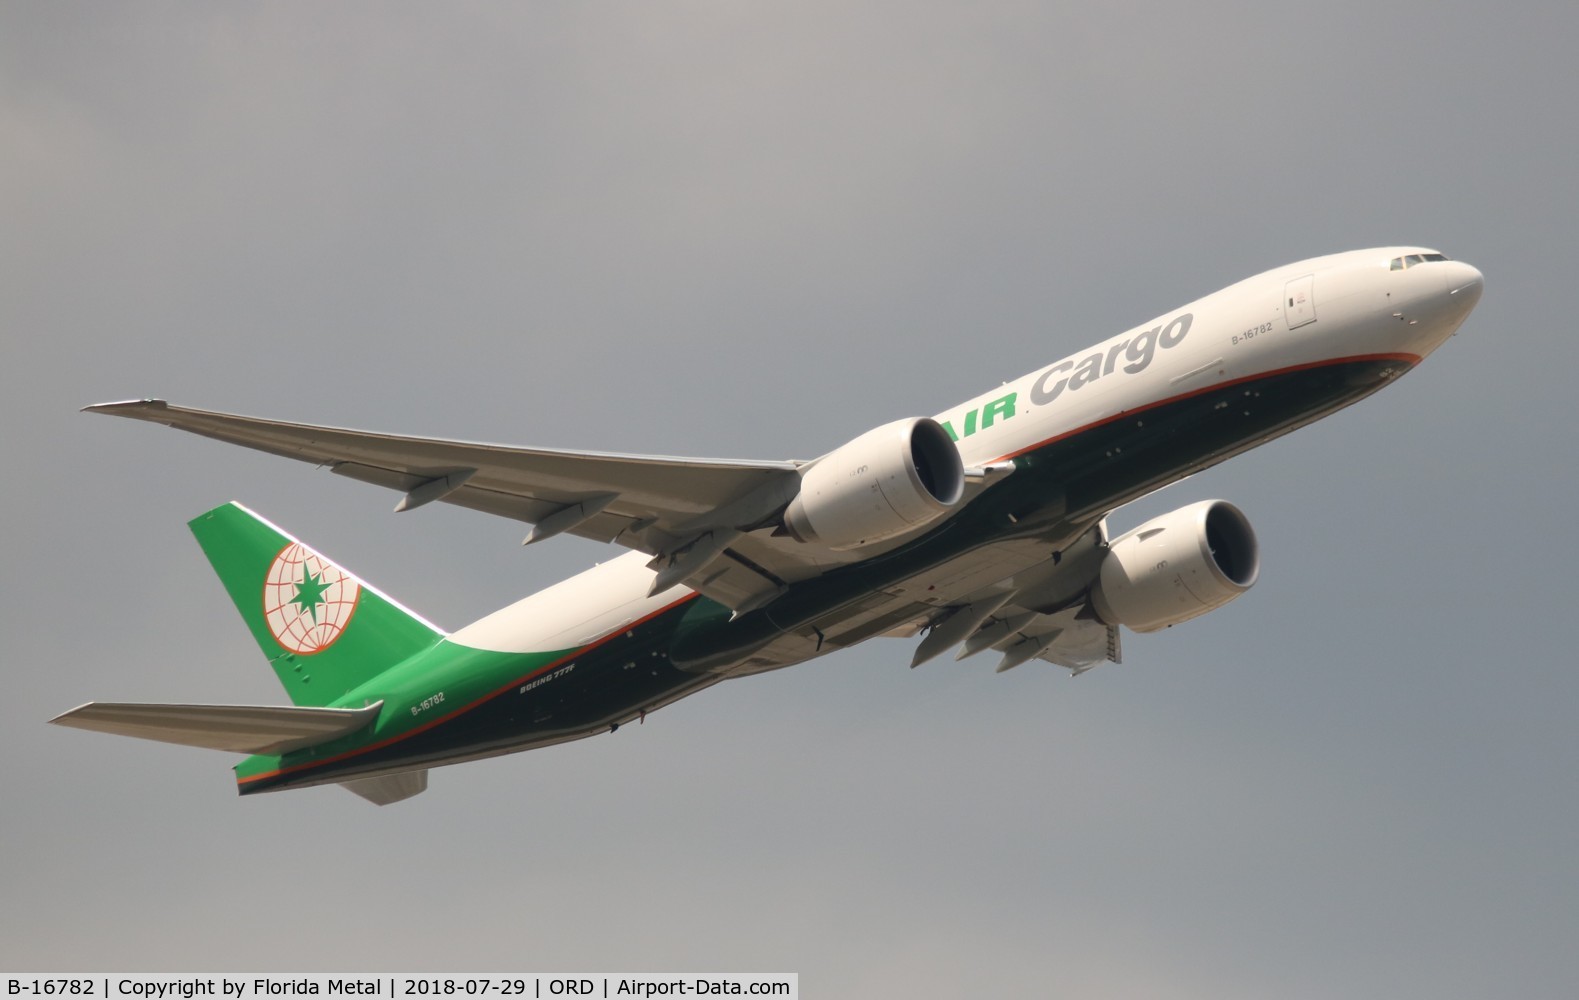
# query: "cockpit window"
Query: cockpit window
1404,263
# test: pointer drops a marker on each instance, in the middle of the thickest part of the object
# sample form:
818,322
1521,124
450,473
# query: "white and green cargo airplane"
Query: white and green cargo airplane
984,526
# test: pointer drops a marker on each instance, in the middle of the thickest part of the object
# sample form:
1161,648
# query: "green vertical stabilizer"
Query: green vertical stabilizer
323,630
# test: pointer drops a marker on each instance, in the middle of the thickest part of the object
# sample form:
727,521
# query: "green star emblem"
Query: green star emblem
309,593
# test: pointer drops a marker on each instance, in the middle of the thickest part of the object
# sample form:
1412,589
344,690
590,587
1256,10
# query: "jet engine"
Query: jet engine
1177,566
887,482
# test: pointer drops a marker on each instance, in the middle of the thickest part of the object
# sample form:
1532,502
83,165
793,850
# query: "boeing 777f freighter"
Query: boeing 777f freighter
983,527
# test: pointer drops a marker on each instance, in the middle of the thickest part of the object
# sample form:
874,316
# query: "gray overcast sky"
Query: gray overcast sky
756,230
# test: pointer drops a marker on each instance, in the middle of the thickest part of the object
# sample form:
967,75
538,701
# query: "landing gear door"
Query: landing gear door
1299,302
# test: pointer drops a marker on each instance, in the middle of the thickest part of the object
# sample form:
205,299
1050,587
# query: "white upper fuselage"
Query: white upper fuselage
1354,306
1385,303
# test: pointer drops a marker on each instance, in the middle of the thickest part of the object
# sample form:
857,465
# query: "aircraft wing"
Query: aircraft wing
1036,611
659,505
527,484
1069,637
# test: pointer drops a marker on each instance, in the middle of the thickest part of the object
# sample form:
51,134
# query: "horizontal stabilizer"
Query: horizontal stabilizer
250,729
390,787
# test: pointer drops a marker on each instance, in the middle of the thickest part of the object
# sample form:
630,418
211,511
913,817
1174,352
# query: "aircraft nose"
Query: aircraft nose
1464,284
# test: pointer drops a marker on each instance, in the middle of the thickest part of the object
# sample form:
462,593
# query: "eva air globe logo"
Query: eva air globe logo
307,600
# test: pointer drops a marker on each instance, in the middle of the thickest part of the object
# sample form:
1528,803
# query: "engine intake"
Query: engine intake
1177,566
887,482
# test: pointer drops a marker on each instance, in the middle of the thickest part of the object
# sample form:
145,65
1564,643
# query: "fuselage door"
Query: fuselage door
1299,302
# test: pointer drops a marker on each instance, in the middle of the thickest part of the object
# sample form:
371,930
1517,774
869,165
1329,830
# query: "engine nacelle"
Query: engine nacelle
887,482
1177,566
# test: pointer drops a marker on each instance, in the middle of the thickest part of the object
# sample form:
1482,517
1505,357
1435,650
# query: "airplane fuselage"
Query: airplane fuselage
1085,435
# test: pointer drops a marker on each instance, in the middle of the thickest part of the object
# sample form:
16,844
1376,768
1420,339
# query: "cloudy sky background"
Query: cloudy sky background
755,230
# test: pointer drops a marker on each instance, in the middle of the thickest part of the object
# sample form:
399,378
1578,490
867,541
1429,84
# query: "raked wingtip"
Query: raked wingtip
126,406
